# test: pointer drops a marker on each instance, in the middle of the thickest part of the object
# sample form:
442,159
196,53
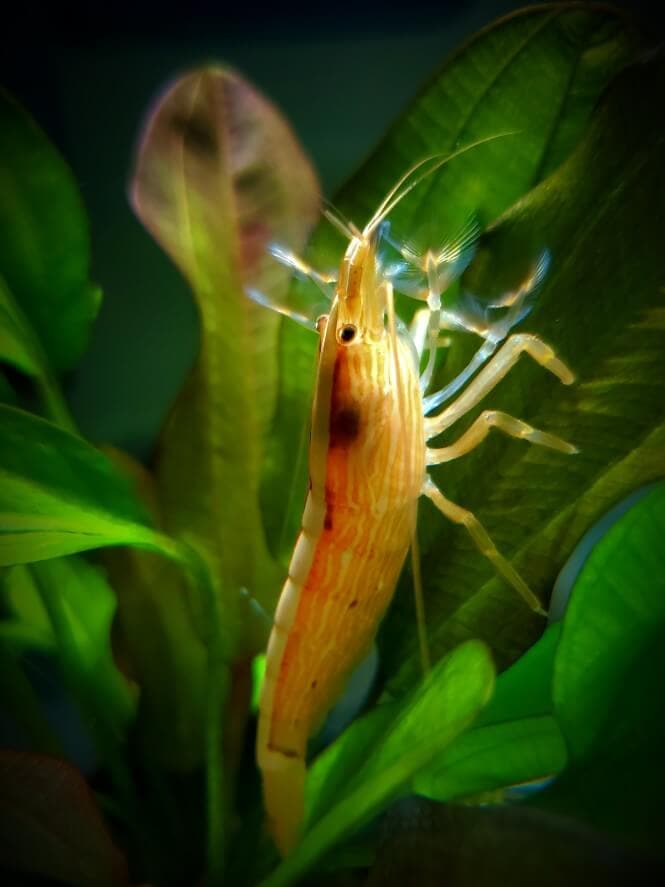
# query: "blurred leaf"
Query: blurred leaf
81,606
608,682
21,705
601,216
14,346
59,495
450,698
156,641
430,844
51,827
44,249
218,175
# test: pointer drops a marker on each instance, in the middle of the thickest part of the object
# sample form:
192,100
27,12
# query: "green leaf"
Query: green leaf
59,495
219,174
81,606
601,307
20,703
14,345
535,75
156,638
608,682
50,826
432,716
44,249
615,611
495,757
514,740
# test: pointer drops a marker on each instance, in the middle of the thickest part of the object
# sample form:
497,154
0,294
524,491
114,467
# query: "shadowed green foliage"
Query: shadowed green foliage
44,249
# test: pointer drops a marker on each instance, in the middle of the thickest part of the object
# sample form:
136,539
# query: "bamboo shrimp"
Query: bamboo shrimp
368,460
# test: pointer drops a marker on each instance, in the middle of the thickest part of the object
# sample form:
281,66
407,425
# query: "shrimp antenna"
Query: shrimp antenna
407,182
337,220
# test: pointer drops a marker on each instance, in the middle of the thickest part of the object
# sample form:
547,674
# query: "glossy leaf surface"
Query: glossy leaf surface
59,495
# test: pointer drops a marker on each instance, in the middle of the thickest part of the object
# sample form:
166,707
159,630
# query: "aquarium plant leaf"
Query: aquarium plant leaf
616,610
81,606
448,701
601,307
218,176
50,826
536,74
514,740
156,638
608,682
23,715
14,344
59,495
469,846
44,249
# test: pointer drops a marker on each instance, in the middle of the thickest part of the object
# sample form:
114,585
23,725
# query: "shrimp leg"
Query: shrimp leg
503,422
480,536
493,373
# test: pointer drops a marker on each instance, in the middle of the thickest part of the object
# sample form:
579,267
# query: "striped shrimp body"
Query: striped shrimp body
368,464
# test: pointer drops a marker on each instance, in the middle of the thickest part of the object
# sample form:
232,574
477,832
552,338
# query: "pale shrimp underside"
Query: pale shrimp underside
368,463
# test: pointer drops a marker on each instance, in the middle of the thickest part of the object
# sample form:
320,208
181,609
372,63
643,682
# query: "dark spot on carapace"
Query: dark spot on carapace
344,414
200,137
344,426
354,603
314,685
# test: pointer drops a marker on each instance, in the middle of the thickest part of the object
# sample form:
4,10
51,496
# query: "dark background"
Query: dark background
340,75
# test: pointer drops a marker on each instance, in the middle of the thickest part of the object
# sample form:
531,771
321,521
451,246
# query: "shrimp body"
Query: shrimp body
367,464
368,460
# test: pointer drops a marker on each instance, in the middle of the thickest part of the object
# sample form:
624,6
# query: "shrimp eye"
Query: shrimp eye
347,333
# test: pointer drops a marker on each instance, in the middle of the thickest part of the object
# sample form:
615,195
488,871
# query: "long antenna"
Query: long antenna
394,196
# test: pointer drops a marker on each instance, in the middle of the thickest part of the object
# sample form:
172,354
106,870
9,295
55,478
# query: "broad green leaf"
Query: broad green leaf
515,739
50,826
600,215
44,249
525,689
59,495
536,74
218,175
616,610
434,844
618,785
156,639
495,757
434,715
608,682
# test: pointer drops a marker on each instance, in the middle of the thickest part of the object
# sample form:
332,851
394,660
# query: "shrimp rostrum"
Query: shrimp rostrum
372,428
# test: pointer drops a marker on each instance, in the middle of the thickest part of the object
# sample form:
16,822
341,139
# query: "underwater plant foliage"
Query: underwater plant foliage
147,590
